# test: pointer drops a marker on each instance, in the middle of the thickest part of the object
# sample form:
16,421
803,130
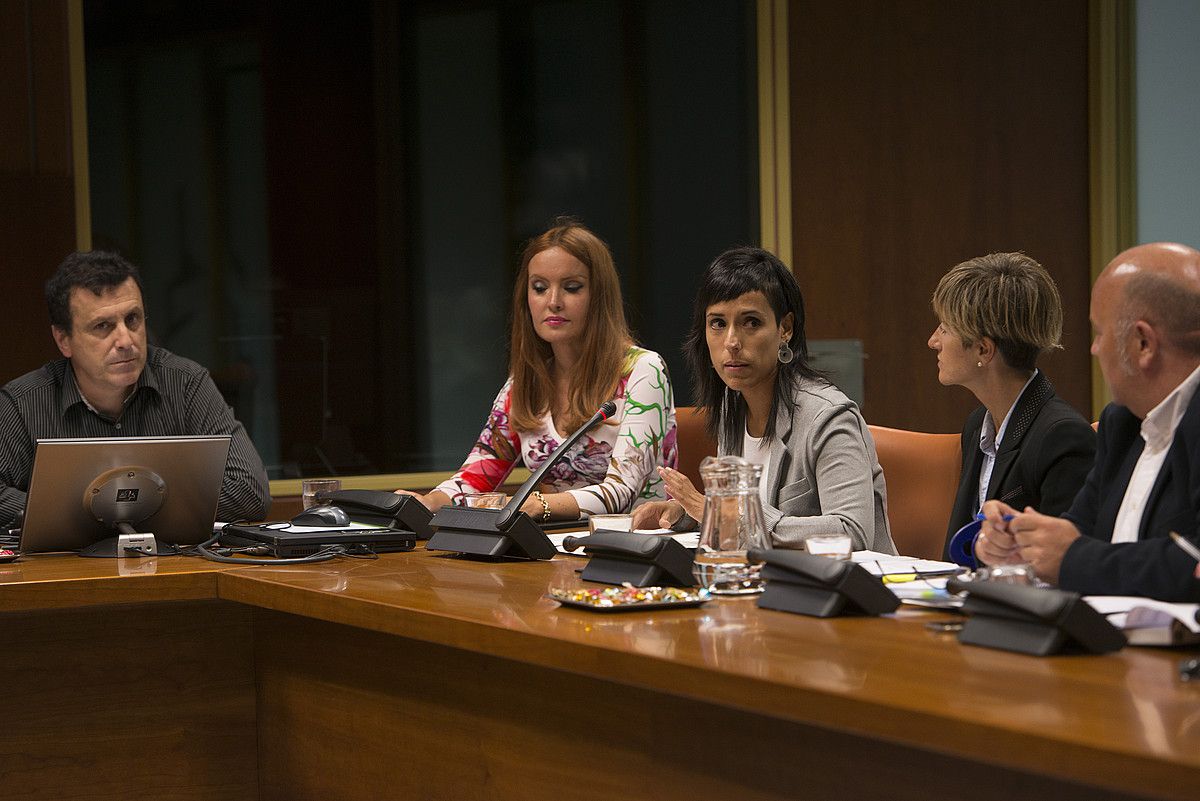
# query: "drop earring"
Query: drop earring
785,353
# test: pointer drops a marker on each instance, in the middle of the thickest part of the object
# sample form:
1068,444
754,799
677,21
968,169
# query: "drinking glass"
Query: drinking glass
310,488
835,546
487,500
610,523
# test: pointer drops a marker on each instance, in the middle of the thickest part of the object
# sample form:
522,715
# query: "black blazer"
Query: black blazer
1044,458
1153,566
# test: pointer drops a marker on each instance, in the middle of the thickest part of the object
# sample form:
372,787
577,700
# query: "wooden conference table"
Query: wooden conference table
432,677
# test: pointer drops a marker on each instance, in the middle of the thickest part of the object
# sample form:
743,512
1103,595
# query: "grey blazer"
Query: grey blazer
823,474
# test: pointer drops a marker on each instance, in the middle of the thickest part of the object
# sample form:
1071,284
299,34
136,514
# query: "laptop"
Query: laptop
82,489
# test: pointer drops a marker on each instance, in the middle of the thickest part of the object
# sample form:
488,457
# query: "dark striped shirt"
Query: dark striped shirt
173,396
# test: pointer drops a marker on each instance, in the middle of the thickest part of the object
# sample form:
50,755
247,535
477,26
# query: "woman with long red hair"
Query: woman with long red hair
571,350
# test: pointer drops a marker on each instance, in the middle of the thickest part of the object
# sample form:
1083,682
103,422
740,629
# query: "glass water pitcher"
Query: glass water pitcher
733,516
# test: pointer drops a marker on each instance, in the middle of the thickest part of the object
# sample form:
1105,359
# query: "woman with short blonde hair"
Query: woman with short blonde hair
1024,445
1007,297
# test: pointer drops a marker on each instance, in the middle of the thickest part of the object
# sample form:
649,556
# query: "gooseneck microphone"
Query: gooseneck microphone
506,533
509,513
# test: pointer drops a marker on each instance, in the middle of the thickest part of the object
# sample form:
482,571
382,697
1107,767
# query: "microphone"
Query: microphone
506,533
509,513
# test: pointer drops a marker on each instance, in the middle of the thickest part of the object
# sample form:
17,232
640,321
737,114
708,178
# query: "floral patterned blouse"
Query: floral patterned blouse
611,468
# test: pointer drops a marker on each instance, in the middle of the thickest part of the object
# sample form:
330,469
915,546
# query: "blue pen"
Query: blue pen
979,516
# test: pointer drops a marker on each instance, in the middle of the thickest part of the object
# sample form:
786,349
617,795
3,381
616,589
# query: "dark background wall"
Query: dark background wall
328,200
923,133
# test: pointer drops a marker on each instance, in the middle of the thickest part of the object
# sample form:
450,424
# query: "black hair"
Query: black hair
731,275
94,270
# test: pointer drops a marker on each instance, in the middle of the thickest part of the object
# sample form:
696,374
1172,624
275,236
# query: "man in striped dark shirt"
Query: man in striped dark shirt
112,384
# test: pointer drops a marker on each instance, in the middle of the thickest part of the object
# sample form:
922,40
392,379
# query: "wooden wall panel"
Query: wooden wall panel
925,132
37,192
51,86
14,89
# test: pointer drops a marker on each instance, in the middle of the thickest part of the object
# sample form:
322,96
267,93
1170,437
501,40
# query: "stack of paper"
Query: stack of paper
903,568
917,582
1149,622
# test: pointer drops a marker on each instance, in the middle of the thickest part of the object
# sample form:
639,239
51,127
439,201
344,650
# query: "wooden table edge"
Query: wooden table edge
1072,761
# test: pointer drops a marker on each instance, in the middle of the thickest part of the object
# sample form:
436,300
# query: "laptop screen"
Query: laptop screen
81,489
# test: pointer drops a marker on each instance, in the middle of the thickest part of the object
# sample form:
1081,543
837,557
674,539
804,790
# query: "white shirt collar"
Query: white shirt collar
1158,429
989,436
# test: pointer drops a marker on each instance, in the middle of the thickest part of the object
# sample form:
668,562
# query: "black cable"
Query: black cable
359,550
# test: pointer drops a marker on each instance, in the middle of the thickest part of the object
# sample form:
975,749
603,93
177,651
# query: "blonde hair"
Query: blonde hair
1007,297
605,339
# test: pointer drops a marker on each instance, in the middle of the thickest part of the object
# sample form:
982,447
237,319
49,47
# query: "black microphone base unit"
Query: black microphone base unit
801,600
1033,620
609,570
643,560
820,587
1033,637
473,532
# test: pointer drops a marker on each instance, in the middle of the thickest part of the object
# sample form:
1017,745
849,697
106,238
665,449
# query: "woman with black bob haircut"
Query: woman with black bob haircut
764,402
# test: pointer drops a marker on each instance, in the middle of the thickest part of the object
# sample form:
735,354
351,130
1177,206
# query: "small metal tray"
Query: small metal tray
628,599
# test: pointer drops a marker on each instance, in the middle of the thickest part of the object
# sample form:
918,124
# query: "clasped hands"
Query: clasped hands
1010,537
665,514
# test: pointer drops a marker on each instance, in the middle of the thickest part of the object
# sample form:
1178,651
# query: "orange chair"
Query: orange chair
921,471
693,442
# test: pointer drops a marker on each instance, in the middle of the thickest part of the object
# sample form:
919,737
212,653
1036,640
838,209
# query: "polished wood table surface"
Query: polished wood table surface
63,581
433,676
1123,722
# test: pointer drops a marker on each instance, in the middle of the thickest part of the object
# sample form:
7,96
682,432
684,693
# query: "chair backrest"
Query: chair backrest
693,442
921,471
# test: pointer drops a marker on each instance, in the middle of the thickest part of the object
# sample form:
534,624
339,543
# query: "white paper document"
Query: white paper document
886,564
1149,622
